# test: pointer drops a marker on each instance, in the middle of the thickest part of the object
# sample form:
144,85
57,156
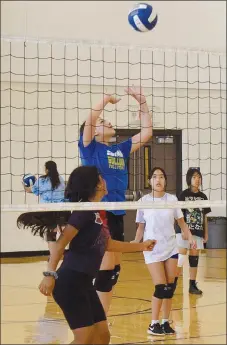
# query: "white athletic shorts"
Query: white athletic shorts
185,244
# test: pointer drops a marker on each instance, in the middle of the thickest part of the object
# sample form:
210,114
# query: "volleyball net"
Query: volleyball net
49,87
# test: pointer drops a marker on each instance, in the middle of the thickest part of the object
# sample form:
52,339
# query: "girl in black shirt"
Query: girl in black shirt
196,220
88,237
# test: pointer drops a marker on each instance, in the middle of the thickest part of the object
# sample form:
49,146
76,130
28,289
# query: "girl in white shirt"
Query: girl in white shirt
162,261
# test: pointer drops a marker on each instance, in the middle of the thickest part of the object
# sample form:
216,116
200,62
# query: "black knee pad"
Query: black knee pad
164,291
193,260
117,270
171,290
104,280
160,291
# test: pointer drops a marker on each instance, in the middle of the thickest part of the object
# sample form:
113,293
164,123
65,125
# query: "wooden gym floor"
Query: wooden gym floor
27,317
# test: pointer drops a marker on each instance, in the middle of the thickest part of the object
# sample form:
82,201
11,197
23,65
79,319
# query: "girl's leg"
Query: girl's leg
83,335
180,264
101,333
96,334
104,280
181,261
110,267
170,271
157,272
193,263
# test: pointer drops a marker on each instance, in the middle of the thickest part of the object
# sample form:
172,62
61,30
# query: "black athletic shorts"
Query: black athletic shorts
76,296
116,226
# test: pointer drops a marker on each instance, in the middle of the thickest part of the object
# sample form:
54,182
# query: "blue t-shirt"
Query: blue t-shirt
111,162
88,247
43,187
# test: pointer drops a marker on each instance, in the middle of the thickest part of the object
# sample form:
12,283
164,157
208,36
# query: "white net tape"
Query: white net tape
108,206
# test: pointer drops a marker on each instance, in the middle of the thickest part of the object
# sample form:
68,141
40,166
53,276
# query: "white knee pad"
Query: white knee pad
181,260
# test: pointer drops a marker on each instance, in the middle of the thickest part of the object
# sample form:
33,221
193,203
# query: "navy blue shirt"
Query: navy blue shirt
111,162
88,247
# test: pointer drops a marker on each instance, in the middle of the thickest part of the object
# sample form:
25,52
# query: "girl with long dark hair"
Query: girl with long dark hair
88,237
50,187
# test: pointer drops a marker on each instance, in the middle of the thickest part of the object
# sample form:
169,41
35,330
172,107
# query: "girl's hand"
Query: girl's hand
113,100
47,285
136,93
148,245
192,243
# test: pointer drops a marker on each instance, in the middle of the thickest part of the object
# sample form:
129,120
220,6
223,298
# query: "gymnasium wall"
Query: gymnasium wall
66,89
182,24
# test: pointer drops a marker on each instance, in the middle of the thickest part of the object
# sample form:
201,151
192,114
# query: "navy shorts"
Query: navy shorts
175,256
76,296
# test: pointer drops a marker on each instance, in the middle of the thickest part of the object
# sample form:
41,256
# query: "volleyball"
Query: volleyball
142,17
28,180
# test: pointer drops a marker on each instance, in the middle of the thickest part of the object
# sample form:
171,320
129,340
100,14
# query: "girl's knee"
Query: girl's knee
105,337
83,335
194,252
183,251
108,261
